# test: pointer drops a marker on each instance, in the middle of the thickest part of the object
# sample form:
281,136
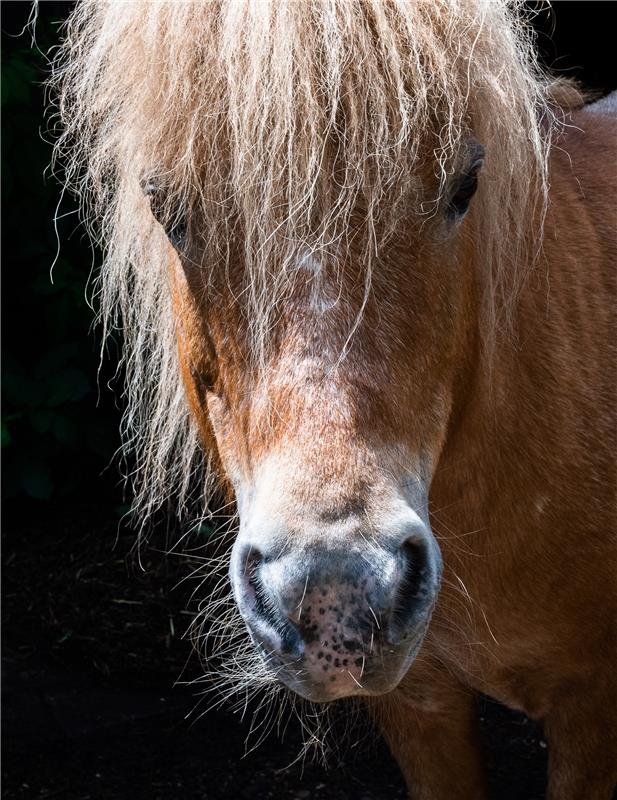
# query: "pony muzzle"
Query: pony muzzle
337,621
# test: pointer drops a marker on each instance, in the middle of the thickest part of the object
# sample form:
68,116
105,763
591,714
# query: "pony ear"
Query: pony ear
171,219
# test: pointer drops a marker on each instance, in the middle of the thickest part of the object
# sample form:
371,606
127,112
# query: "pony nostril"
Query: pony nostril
262,611
411,591
260,601
252,564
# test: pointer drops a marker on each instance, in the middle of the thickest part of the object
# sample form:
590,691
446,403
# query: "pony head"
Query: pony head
306,282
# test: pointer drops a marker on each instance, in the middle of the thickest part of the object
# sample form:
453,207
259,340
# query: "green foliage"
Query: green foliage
55,440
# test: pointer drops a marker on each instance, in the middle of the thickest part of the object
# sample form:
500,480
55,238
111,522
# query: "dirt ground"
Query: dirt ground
92,648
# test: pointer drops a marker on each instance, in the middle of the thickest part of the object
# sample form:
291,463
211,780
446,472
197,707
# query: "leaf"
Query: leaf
36,481
40,419
6,435
68,385
64,429
205,529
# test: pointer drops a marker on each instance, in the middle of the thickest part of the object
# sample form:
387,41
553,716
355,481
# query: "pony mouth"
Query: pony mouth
323,678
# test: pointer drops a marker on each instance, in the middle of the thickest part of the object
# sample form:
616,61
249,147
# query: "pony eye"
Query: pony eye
175,227
459,202
176,233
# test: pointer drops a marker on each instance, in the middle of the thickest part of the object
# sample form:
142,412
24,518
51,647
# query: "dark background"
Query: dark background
92,643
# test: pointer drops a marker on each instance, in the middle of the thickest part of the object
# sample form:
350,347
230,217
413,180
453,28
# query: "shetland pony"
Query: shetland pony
363,257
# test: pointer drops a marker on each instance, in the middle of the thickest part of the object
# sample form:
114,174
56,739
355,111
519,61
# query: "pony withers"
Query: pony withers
362,254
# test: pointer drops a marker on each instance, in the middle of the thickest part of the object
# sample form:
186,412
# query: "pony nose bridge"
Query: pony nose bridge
333,533
350,509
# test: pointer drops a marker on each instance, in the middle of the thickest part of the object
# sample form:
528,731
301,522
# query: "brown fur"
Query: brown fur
523,505
529,469
476,359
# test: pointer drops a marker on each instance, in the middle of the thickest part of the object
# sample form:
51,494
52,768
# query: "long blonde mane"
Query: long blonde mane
269,121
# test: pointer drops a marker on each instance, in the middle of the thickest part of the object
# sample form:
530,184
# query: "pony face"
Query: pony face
329,439
320,286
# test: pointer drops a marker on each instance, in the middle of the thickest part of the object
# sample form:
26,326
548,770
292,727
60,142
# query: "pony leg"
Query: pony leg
432,732
582,737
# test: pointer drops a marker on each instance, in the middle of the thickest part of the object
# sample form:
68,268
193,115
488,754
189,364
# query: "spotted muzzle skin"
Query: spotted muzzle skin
342,621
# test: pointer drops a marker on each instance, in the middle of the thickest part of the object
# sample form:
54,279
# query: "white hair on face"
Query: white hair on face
270,124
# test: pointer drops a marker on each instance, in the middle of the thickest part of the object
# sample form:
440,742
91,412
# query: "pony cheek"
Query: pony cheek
226,439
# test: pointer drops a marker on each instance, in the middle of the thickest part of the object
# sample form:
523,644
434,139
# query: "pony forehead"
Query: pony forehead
309,85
